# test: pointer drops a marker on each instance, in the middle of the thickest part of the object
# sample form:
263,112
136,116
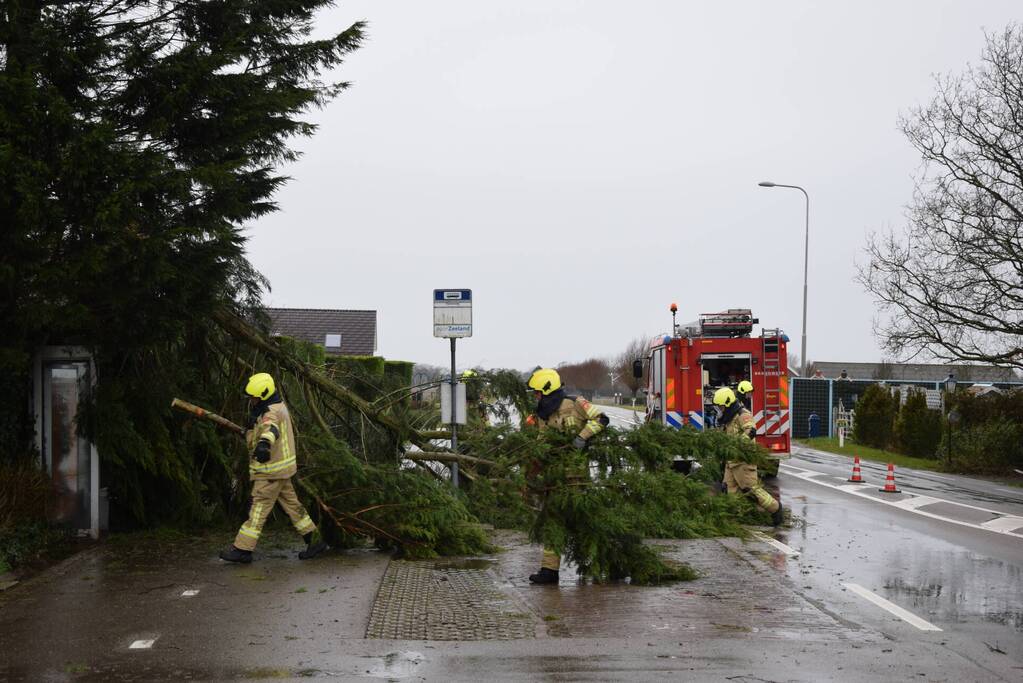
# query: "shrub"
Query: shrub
25,492
875,415
992,447
918,428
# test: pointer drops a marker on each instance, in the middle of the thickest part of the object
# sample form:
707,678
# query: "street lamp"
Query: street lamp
953,414
806,263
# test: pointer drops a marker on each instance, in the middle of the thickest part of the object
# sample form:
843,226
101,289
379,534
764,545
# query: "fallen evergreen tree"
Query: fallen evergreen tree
596,508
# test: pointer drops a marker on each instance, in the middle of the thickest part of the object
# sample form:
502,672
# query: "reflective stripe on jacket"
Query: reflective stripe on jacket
274,426
572,413
741,424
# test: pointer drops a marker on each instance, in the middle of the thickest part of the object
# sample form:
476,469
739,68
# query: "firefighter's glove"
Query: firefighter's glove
262,451
752,434
579,443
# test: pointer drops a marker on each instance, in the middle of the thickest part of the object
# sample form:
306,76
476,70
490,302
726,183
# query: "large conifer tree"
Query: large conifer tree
137,140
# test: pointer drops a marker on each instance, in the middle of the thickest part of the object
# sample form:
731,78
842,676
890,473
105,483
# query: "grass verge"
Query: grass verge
823,443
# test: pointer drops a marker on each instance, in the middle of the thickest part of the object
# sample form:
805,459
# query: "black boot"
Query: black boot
543,576
777,517
311,549
236,555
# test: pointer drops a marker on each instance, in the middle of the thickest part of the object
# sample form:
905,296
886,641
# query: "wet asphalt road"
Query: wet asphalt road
964,580
758,612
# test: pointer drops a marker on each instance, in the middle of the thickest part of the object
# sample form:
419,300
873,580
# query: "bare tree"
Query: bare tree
636,350
587,376
952,286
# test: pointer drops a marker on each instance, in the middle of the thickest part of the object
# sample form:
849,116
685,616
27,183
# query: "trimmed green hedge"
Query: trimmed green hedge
399,372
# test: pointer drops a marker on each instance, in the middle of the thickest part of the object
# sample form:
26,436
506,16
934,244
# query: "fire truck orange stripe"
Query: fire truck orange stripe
669,393
783,387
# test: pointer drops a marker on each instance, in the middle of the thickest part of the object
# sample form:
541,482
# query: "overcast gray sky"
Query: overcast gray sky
581,165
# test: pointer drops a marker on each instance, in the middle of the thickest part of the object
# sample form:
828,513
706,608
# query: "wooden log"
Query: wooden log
195,410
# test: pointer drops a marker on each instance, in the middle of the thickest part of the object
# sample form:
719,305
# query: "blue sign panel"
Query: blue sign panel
452,295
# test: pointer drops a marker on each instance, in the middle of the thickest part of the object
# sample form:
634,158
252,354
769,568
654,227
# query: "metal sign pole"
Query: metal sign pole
454,424
452,318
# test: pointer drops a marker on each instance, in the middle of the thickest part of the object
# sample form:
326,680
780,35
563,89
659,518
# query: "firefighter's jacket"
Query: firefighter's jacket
741,424
576,414
273,425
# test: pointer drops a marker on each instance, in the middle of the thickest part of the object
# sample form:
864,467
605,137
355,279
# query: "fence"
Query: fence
821,397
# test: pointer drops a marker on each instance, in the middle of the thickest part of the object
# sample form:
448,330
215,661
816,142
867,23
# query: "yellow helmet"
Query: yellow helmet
469,373
724,397
261,386
545,380
745,387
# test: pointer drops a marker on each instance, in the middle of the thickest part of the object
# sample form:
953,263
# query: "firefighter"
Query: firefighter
271,440
557,411
744,391
734,419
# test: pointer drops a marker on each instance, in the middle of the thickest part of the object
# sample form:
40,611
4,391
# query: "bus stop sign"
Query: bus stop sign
452,313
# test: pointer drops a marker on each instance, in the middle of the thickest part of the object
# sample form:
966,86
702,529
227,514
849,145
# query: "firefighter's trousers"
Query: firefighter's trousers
266,492
551,560
741,477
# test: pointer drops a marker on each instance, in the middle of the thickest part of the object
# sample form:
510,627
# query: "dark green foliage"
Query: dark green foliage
656,445
875,417
139,140
975,410
399,372
989,436
991,447
25,492
401,508
597,507
500,501
363,374
25,497
31,542
918,429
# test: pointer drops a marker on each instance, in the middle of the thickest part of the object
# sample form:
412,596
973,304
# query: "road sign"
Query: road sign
445,404
452,313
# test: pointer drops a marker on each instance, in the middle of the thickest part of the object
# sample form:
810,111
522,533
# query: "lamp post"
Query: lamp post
806,263
953,415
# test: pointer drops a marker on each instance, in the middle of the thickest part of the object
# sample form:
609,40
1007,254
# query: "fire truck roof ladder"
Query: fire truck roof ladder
735,322
771,367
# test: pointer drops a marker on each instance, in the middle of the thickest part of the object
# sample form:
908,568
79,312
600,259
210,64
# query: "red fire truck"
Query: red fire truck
718,350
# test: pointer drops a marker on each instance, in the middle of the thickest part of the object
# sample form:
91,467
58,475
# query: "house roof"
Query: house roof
917,371
358,329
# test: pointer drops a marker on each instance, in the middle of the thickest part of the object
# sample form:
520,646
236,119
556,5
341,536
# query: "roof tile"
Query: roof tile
358,329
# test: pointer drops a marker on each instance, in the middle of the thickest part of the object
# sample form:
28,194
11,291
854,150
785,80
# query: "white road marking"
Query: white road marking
142,644
190,594
1004,524
913,503
905,615
905,504
791,552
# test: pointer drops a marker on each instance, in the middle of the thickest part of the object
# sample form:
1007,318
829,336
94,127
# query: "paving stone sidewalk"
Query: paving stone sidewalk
742,592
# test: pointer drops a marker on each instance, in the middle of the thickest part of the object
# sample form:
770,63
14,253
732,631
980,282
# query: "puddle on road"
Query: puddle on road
396,665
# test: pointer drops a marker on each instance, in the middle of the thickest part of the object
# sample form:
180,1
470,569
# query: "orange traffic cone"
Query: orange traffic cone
857,477
889,481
